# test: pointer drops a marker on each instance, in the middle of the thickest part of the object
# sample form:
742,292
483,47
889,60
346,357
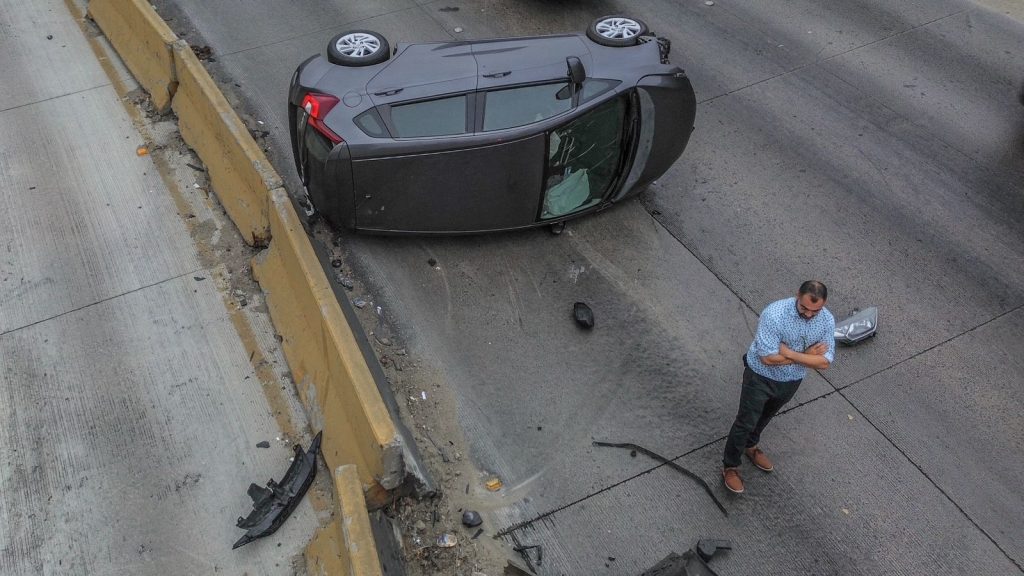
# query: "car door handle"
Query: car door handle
388,92
498,74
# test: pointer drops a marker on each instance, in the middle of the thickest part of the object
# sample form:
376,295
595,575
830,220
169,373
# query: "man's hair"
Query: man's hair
816,289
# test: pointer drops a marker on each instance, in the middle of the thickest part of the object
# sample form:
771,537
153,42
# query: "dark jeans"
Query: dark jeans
760,400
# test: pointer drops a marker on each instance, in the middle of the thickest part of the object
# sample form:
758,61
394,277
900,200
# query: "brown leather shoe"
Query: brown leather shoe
759,459
732,479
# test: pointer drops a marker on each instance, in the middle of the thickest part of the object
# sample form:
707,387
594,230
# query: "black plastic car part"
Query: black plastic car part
272,505
670,464
693,562
583,314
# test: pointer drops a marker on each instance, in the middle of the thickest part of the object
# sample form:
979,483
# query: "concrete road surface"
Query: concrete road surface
130,409
876,144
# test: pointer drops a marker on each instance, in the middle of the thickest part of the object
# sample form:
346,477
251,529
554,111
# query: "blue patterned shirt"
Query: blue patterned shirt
781,322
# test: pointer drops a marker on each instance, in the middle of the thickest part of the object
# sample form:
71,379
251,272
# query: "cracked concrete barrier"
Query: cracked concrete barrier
346,545
143,40
240,173
327,365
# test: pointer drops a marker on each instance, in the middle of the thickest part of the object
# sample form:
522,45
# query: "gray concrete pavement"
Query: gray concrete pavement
874,144
129,407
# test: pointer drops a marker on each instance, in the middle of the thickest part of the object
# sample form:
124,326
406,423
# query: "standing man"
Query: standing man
792,335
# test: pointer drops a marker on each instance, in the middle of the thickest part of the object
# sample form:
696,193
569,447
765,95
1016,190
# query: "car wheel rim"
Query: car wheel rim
618,28
357,45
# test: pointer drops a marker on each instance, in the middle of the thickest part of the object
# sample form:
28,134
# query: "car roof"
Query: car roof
439,68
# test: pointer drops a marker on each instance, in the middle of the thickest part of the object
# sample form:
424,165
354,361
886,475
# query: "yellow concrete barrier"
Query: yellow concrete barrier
346,545
328,367
143,41
240,173
360,440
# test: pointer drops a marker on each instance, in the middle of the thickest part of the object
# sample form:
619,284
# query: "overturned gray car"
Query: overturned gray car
486,135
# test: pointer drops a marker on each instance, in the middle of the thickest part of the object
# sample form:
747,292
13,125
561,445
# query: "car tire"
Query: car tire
358,48
616,31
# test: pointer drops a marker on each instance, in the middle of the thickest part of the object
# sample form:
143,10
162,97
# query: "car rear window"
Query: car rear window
370,123
440,117
524,105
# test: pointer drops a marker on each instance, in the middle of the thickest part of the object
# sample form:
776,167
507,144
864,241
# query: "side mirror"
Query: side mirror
577,74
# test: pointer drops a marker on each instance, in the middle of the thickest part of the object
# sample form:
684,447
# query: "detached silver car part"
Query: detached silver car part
857,328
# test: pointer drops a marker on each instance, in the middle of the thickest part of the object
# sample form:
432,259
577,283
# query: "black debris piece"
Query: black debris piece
707,547
194,167
514,568
477,533
346,282
272,505
263,444
690,563
471,518
670,464
557,228
525,552
583,314
336,263
49,36
198,278
432,262
448,9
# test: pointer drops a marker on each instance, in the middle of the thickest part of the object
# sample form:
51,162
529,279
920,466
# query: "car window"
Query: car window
440,117
584,159
513,107
370,123
595,87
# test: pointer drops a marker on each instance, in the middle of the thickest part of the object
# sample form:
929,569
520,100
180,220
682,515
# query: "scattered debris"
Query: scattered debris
477,534
272,505
203,53
583,314
494,484
336,263
524,551
707,547
50,36
693,562
263,444
447,540
141,151
432,262
383,340
670,464
471,518
346,282
423,395
557,228
458,29
513,568
199,278
448,9
194,167
709,3
359,303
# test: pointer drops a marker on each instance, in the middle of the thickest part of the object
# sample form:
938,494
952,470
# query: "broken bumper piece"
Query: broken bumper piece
693,562
272,505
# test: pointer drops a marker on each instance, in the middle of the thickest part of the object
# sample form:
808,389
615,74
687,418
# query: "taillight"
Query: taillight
317,106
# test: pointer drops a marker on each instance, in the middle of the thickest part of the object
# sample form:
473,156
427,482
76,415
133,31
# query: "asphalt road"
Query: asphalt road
876,145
